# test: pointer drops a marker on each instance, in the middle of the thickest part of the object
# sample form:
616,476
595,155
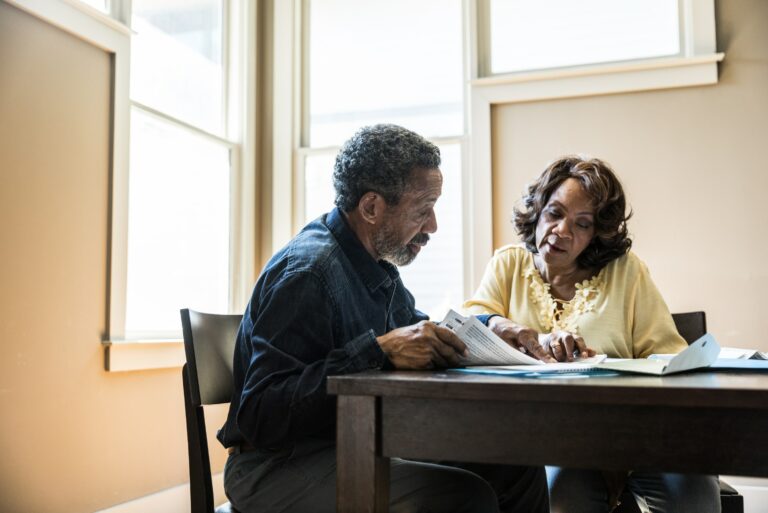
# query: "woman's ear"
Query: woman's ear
371,207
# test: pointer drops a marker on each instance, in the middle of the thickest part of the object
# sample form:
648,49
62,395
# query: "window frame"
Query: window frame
238,28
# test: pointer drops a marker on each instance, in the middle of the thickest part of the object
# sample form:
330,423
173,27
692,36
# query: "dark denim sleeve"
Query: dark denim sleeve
484,318
293,352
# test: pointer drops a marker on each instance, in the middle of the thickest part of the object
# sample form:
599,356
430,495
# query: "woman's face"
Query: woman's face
566,225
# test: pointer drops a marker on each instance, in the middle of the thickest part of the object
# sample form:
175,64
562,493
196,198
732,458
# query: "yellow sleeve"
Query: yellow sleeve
653,330
492,296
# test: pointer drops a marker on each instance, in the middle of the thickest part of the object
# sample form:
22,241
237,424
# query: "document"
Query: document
701,354
486,348
742,354
726,353
730,358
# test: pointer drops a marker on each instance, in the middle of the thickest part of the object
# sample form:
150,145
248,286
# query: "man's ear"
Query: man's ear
371,207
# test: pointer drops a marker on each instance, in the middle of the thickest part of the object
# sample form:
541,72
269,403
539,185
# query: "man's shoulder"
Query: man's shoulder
310,250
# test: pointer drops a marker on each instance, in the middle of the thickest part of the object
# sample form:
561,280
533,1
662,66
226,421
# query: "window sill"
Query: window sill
600,79
121,356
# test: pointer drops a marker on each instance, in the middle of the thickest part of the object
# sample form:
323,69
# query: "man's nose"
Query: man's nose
431,225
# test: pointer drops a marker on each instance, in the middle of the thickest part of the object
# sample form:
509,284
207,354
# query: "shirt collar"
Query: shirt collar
374,274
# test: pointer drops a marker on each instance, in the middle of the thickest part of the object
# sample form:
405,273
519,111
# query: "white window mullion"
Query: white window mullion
183,125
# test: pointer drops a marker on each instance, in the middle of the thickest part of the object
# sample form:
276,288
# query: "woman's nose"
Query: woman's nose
563,228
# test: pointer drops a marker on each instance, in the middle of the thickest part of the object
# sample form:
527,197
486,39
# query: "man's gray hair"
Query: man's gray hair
380,158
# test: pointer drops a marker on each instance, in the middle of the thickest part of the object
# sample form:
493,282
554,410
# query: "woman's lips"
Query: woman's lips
555,248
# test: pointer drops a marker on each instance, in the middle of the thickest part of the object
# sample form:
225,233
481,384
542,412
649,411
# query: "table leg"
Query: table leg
362,475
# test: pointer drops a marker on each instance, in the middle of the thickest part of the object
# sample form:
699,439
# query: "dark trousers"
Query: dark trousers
303,479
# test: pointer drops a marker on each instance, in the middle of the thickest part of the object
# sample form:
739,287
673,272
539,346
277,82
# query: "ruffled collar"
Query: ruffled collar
566,318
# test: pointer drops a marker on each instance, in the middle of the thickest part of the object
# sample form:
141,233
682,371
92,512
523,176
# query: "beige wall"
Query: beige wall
693,162
73,438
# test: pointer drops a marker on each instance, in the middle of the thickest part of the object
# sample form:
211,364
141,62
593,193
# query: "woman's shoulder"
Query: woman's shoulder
512,251
627,265
512,257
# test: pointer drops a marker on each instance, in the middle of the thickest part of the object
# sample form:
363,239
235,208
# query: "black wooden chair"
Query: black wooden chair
209,344
691,326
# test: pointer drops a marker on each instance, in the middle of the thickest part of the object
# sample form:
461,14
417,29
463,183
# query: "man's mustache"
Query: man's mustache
420,239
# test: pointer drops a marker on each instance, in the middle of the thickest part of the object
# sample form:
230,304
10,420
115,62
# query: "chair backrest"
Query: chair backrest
690,325
209,344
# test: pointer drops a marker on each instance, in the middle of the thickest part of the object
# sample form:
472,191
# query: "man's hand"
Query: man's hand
564,345
422,346
520,337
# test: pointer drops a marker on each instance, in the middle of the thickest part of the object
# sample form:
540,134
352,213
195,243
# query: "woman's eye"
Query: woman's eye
585,226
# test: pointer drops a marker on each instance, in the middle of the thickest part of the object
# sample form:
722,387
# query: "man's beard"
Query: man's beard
386,244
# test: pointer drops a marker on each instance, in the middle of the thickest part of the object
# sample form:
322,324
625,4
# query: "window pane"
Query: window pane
384,61
176,59
318,185
536,34
436,276
178,226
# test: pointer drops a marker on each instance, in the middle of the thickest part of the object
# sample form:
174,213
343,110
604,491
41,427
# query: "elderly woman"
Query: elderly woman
576,287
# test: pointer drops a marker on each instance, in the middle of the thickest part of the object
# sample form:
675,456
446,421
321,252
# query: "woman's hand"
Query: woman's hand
520,337
564,346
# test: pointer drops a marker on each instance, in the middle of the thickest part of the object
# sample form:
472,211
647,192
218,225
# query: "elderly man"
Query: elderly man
332,302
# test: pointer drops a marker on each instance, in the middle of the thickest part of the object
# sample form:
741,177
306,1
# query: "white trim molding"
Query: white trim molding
147,354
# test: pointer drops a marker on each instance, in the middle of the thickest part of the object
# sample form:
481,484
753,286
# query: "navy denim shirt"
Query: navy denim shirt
315,312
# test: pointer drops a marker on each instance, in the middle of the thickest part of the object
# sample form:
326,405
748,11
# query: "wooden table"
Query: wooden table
705,422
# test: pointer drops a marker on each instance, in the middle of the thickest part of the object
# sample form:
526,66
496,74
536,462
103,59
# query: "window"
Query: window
534,34
180,174
412,76
179,178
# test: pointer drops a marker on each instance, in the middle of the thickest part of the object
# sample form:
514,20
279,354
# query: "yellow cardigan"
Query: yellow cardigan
619,312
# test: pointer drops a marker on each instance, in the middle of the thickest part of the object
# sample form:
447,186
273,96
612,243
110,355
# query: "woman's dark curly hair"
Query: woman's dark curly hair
601,184
380,158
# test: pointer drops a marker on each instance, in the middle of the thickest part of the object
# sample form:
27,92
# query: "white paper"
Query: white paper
484,346
742,354
701,353
578,365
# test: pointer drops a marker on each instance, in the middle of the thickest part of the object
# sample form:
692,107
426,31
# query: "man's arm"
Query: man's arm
293,351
